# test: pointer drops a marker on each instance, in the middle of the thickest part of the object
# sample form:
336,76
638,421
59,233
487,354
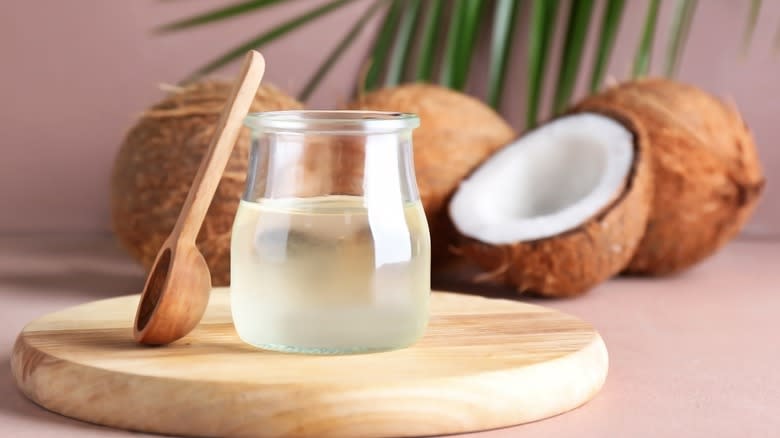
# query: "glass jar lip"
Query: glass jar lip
340,122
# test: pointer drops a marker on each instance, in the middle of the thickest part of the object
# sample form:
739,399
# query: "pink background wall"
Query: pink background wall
75,73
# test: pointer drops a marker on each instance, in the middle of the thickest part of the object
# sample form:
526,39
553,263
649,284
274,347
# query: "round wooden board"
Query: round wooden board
483,364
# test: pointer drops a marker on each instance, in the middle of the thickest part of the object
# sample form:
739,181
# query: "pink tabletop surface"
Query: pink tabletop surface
695,355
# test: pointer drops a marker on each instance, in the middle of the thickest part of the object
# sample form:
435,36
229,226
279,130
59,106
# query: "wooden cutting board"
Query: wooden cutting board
483,363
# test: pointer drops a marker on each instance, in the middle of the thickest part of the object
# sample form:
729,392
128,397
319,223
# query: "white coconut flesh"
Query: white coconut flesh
549,181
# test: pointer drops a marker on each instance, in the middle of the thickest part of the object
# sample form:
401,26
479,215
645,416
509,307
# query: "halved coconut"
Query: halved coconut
559,210
705,164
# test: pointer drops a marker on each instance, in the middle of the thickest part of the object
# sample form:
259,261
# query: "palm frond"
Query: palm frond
460,43
541,29
777,41
504,18
403,39
576,33
613,12
339,50
266,37
415,35
681,27
428,38
470,18
217,15
750,27
382,44
645,49
449,61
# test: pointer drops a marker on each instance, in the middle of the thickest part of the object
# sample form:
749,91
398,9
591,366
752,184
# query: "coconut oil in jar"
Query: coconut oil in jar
330,275
330,251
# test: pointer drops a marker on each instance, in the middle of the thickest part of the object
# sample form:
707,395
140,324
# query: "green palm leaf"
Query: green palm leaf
541,30
450,60
266,37
217,14
613,12
403,38
382,44
750,28
777,41
576,33
403,26
504,18
681,27
460,43
427,40
470,17
340,48
644,52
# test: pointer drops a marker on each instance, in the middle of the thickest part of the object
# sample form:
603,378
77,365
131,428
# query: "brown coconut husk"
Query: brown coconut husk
158,160
457,133
707,174
573,262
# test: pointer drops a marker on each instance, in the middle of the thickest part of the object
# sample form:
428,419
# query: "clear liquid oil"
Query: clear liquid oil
329,275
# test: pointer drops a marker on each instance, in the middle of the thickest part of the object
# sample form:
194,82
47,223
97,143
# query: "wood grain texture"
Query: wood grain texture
482,364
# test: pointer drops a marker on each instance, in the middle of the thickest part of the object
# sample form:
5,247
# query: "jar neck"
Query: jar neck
343,122
290,164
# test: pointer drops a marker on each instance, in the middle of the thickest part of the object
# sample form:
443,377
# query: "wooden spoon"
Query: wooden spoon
179,284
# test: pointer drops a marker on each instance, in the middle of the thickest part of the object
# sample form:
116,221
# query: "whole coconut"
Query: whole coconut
706,170
457,132
158,161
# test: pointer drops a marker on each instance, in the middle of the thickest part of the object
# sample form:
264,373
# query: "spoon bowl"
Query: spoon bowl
175,295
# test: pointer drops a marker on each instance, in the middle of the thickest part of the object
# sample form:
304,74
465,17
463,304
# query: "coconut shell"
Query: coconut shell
573,262
457,133
158,161
706,170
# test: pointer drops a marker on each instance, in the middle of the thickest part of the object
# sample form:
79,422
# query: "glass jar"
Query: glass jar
330,251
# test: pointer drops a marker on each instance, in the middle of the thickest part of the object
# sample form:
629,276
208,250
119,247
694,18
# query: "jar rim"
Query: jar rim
337,122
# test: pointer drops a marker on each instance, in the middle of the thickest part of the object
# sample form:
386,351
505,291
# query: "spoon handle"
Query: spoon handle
213,165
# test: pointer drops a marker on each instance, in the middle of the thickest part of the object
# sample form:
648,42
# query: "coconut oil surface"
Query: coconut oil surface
330,274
